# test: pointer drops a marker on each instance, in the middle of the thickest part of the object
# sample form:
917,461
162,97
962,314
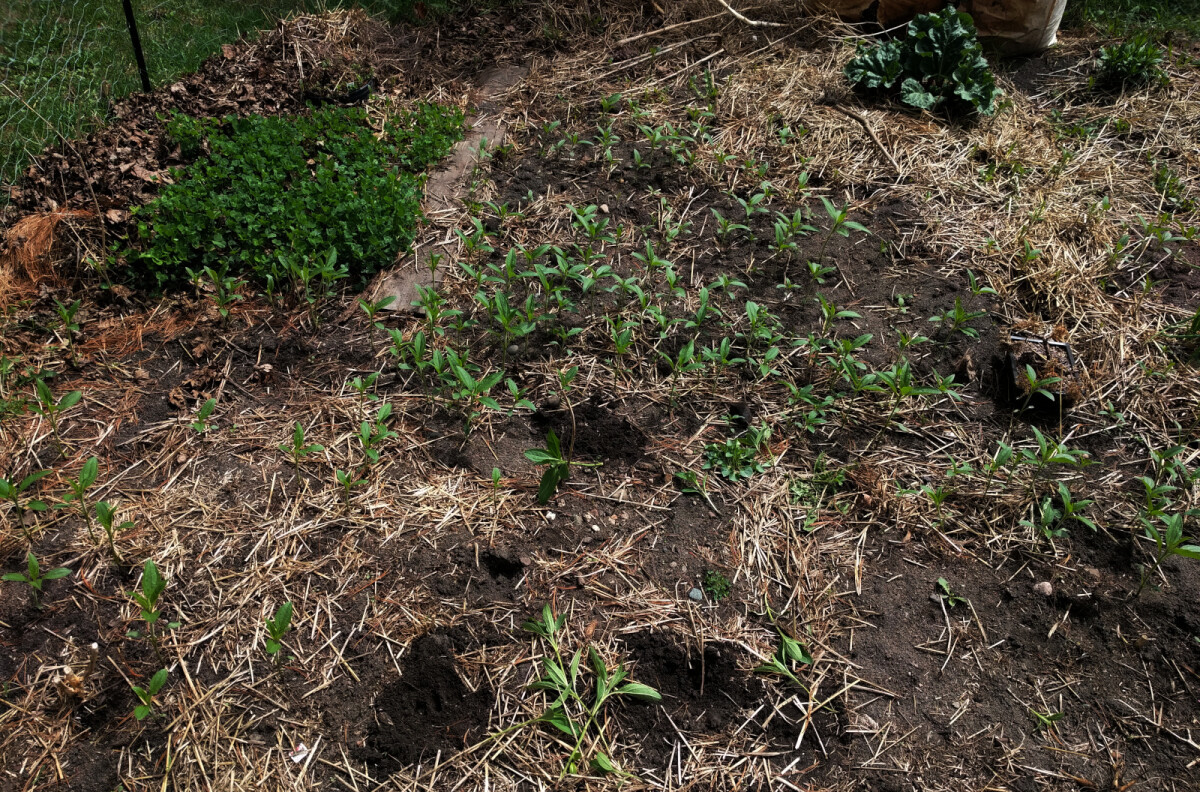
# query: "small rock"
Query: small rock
1044,588
513,349
696,595
552,402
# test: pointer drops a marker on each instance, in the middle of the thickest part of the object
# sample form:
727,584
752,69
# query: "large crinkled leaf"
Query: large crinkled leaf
877,67
913,93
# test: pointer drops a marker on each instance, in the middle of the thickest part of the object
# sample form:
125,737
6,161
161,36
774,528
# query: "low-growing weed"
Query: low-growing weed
738,457
938,64
715,584
274,194
947,594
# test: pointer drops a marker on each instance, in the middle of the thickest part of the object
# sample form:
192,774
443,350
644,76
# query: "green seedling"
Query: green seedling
299,449
152,587
839,224
1047,519
495,485
1045,720
277,627
202,425
830,313
12,490
1073,509
472,394
348,481
726,227
364,386
146,695
578,704
947,595
226,291
558,467
783,663
34,578
372,309
999,460
52,409
1033,385
738,457
819,272
1048,452
956,319
372,433
78,492
1168,541
106,515
69,324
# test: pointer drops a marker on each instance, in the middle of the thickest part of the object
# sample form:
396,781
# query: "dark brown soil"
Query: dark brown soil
427,711
1019,650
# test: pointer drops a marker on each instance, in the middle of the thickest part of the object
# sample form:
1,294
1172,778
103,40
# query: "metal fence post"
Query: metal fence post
131,21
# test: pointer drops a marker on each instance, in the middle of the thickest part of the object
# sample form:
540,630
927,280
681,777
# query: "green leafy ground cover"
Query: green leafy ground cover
273,195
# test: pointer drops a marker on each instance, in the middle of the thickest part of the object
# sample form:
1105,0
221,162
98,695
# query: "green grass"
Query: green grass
1121,18
60,58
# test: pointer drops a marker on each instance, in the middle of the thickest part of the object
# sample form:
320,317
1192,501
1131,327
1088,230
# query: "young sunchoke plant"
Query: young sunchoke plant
34,577
146,695
277,627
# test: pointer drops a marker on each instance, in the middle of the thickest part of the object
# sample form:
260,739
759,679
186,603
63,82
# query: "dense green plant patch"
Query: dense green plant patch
938,65
274,197
1135,62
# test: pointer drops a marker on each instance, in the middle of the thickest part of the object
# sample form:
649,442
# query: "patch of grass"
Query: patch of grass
275,196
62,64
1125,17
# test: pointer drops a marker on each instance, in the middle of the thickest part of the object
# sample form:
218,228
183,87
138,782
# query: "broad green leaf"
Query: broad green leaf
640,691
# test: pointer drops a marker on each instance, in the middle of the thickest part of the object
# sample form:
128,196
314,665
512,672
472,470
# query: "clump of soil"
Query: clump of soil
702,691
429,709
597,432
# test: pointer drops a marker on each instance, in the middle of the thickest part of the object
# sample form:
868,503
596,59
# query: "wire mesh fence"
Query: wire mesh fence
63,62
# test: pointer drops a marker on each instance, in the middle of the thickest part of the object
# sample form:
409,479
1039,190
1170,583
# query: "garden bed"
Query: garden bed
774,453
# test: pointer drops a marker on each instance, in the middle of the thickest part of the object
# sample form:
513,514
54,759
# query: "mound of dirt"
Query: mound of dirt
429,709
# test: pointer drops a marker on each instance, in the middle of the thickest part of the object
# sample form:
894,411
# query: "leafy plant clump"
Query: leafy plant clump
274,194
738,457
938,65
1134,63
